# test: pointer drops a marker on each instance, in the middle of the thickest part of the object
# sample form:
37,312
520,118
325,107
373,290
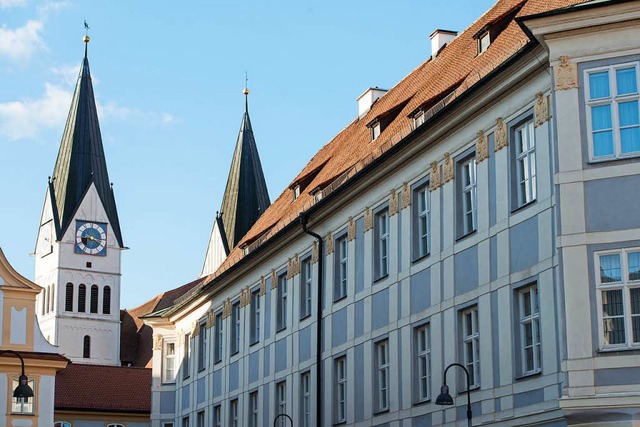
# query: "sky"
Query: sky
168,78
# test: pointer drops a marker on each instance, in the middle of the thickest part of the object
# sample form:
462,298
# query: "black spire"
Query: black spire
81,159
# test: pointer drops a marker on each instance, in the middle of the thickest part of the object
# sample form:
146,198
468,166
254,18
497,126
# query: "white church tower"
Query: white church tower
79,241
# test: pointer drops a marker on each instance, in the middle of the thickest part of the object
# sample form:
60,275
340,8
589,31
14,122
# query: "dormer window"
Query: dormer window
375,131
418,119
484,40
296,192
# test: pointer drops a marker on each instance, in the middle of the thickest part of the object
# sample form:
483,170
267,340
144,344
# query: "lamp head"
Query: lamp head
23,389
444,398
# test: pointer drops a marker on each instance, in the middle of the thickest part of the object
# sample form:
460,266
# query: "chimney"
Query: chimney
366,100
440,38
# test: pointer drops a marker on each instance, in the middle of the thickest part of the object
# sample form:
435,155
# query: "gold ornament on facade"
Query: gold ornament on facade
329,243
351,233
274,282
195,329
263,286
406,195
434,178
289,268
211,319
566,74
447,169
157,342
482,147
315,252
226,309
368,219
500,135
393,203
541,109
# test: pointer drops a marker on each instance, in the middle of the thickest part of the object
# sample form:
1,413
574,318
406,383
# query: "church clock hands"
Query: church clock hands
91,238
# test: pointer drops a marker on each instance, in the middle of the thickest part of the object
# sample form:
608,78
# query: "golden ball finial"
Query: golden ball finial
86,39
245,91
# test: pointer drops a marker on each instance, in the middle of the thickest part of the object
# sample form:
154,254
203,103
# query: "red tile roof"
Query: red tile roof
37,355
103,388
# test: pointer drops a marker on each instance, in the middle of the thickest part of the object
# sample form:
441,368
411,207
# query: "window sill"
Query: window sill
305,317
234,353
381,411
420,258
380,279
169,382
422,402
618,350
24,414
340,298
529,375
251,344
282,328
523,206
464,236
340,423
605,159
472,389
217,361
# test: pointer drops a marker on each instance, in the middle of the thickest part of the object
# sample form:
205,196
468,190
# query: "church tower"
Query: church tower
79,241
245,197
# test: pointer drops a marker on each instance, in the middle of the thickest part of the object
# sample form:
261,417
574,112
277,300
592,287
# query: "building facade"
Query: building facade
482,212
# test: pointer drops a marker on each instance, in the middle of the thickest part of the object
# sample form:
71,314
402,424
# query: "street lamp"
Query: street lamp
445,398
23,389
275,420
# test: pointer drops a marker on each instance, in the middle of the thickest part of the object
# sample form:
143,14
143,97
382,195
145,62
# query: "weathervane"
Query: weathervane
86,32
246,84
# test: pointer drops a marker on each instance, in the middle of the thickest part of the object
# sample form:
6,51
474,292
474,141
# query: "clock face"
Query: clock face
45,244
91,238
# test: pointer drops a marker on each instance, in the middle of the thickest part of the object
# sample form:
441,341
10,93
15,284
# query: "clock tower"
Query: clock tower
79,241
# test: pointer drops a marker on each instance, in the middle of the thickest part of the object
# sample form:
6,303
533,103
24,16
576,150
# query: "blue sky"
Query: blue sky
168,78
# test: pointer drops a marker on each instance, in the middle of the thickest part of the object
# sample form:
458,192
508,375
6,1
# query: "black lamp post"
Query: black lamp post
275,420
23,389
445,398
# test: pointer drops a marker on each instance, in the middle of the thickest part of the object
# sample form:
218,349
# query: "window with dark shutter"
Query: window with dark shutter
106,300
94,299
82,298
86,347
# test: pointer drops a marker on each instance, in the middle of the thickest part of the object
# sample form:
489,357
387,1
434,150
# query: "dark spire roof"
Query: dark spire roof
246,196
81,159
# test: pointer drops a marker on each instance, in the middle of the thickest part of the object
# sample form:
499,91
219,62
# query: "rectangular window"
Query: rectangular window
169,371
186,356
341,263
418,119
219,338
381,375
185,421
255,316
200,419
483,42
340,403
611,95
375,131
381,244
421,220
202,345
529,318
618,283
423,363
253,409
217,416
524,163
281,402
471,345
305,396
468,196
235,328
233,413
22,405
281,315
305,289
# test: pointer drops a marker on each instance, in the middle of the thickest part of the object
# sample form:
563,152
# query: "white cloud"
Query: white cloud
49,7
22,42
68,74
113,111
5,4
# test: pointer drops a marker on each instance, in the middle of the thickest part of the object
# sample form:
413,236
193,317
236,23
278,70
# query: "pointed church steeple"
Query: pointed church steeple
245,196
81,160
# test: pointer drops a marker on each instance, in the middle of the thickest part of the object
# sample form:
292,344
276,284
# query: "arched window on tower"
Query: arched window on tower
86,347
68,298
106,300
46,292
53,298
94,299
42,300
82,298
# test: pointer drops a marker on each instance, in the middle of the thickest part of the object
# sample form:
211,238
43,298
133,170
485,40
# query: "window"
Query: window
185,421
48,297
471,345
421,220
68,300
340,282
86,347
164,424
106,300
22,405
200,419
253,409
467,188
340,373
281,402
82,298
381,244
235,327
233,413
169,371
375,131
529,317
305,289
418,119
281,315
186,356
94,299
67,424
53,297
43,301
525,164
381,375
423,362
219,341
115,425
612,111
202,345
255,316
618,283
217,416
305,406
484,40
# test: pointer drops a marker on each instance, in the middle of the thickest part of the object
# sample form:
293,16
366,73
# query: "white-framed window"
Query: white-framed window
305,291
255,316
199,419
381,375
202,345
305,406
185,421
471,344
618,296
169,359
529,319
468,194
281,306
418,119
341,268
253,409
218,329
281,402
613,120
381,243
186,356
233,413
421,220
484,40
423,362
375,131
235,327
525,162
68,424
340,402
217,416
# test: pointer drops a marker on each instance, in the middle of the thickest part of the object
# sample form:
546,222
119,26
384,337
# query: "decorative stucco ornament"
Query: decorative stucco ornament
329,243
500,135
566,74
315,252
393,203
447,169
157,342
196,329
211,319
482,147
274,283
290,268
226,309
541,109
434,178
263,286
406,195
351,234
368,219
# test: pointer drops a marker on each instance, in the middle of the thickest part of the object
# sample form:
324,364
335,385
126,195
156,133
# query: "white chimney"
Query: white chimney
366,100
439,38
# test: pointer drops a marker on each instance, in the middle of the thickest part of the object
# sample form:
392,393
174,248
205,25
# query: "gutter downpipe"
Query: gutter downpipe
303,221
